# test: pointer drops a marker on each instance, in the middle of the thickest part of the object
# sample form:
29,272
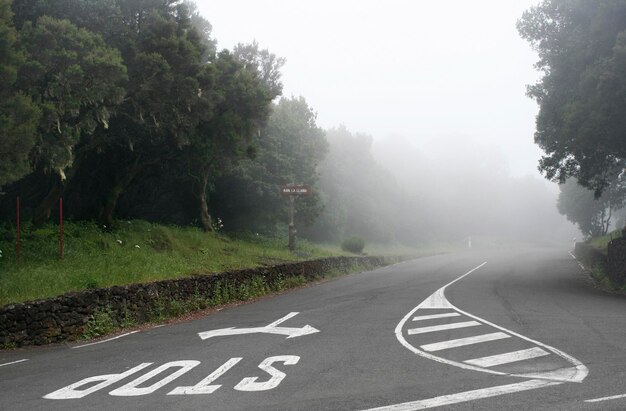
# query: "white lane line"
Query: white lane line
103,341
460,342
508,357
576,259
613,397
442,327
467,396
434,316
14,362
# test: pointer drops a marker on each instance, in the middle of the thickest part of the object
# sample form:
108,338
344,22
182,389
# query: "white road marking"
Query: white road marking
14,362
613,397
460,342
438,300
107,340
281,320
579,263
508,357
269,329
434,316
204,386
132,389
74,390
467,396
442,327
251,384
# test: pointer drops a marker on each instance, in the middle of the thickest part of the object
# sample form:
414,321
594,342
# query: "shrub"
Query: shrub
353,244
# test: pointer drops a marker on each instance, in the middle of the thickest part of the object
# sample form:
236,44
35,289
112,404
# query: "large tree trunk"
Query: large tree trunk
106,216
200,187
42,213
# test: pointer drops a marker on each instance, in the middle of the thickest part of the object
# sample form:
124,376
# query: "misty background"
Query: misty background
434,92
410,120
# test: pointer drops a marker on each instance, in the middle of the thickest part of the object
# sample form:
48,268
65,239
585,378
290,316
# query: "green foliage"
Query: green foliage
360,197
127,253
582,54
592,215
353,244
100,323
76,81
603,241
288,149
18,114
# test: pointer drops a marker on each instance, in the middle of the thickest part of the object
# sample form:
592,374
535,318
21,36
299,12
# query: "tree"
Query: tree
75,79
360,196
288,150
582,95
19,116
168,93
241,104
592,215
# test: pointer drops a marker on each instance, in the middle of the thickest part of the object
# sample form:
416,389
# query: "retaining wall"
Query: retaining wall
616,261
66,317
613,262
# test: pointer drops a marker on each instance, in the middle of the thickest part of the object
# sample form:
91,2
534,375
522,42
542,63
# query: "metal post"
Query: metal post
18,227
292,227
61,227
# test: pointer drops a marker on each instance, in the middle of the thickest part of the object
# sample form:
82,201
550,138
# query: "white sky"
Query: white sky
417,69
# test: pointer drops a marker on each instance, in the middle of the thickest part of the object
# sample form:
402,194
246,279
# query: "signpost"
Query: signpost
293,191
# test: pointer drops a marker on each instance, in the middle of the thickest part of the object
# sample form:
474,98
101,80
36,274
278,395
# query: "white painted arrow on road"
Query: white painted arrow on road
272,328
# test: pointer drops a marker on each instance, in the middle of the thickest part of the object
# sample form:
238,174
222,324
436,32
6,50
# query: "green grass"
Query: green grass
132,252
603,241
603,281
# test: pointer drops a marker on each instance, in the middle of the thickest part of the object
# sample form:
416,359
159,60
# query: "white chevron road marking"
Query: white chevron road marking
442,327
575,373
460,342
508,357
435,316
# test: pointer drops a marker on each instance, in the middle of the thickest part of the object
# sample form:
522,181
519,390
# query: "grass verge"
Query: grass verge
131,252
603,281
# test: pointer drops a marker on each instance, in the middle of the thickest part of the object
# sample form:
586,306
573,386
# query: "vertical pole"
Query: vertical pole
61,227
18,226
292,227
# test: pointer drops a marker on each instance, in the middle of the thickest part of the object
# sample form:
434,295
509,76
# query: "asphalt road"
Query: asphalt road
518,329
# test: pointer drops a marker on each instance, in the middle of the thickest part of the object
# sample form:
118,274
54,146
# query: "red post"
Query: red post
18,227
61,227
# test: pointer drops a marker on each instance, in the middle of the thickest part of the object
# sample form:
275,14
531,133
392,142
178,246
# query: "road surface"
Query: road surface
507,329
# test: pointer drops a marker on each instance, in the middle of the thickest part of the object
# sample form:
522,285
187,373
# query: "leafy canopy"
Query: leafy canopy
582,96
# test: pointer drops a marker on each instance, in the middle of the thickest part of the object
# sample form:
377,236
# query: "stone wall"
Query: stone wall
66,317
616,261
590,256
613,262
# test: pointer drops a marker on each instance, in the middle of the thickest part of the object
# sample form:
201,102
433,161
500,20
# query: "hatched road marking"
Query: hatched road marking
508,357
431,317
547,373
572,370
424,330
460,342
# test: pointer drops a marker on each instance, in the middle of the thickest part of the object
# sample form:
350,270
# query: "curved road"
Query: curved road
487,330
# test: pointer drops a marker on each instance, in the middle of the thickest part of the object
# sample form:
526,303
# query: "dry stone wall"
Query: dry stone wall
66,317
613,262
616,261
